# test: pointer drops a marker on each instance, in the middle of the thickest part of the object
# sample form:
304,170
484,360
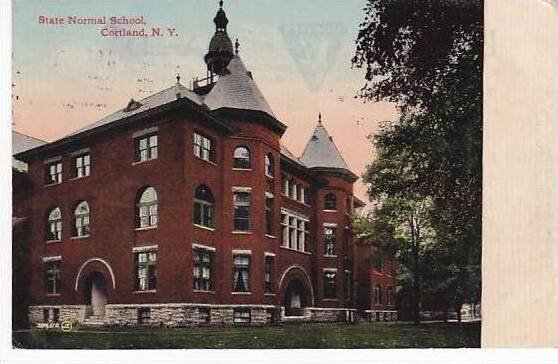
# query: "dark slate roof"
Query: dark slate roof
287,153
237,90
21,143
321,151
160,98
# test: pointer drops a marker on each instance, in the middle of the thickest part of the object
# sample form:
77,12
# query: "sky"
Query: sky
66,76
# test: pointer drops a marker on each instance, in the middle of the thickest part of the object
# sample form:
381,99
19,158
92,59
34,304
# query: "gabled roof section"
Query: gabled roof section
21,143
237,90
160,98
321,151
287,153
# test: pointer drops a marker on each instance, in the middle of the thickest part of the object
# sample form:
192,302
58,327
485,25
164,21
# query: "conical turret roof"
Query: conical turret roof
321,151
237,90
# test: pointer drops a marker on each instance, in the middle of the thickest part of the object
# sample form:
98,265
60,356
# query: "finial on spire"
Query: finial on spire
220,3
178,78
236,45
320,118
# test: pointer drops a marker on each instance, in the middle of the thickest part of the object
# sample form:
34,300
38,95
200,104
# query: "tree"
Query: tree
399,229
426,57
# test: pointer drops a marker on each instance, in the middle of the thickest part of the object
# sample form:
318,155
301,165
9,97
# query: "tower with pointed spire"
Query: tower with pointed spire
221,49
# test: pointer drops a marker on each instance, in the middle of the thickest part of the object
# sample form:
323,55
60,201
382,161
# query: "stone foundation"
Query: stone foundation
381,315
184,315
318,314
71,313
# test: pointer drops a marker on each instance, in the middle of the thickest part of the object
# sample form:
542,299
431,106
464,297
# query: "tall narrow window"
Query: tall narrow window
53,173
330,202
302,194
268,288
292,232
378,294
286,185
301,236
242,158
54,225
81,165
330,286
347,285
52,277
329,240
81,219
241,202
146,274
241,273
292,189
203,147
285,227
390,295
146,148
203,206
146,208
203,266
269,215
269,165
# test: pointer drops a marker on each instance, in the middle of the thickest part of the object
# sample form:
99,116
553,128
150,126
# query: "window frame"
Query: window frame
269,225
83,170
330,202
239,206
151,151
147,210
201,283
53,177
53,226
330,241
294,230
84,219
204,210
238,269
330,284
269,165
150,277
269,261
144,316
242,316
242,163
204,147
378,294
52,277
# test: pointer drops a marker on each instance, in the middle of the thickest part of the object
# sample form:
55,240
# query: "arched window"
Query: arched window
54,224
81,219
146,208
330,202
242,158
378,294
203,206
269,165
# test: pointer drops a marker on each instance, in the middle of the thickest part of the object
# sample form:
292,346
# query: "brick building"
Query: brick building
184,208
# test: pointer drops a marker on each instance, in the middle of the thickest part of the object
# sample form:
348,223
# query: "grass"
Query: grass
307,336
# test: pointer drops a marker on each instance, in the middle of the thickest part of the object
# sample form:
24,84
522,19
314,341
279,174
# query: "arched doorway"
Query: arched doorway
296,298
95,293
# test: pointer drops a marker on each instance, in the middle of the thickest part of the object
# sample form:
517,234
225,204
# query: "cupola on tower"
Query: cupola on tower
220,47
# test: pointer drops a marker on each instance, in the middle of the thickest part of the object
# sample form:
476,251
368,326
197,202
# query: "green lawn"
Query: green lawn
310,336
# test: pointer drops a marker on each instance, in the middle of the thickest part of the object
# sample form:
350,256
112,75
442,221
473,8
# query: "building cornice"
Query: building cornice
179,105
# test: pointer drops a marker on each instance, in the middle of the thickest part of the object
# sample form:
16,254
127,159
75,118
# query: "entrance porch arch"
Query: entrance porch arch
296,291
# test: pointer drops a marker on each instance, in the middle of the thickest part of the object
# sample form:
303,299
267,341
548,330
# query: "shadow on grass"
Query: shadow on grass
303,336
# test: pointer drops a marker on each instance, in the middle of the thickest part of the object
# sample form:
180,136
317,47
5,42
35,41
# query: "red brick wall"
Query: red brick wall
111,192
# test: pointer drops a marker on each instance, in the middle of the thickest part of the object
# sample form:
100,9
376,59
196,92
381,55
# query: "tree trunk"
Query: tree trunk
416,284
